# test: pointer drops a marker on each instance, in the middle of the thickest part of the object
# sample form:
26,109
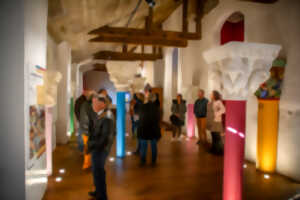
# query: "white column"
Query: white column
64,93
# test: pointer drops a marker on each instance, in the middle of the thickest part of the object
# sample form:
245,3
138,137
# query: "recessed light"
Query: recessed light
245,166
266,176
128,153
62,171
111,159
58,179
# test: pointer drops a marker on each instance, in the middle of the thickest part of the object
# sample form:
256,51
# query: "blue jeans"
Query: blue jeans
80,141
98,163
144,147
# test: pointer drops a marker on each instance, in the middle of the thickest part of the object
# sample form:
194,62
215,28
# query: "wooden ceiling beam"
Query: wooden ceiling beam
119,31
119,56
142,40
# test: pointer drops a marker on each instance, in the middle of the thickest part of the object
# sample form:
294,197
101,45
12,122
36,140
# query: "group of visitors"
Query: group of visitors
96,135
96,130
208,115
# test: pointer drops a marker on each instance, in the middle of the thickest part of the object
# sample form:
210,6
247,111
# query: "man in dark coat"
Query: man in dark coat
82,105
149,129
200,111
102,133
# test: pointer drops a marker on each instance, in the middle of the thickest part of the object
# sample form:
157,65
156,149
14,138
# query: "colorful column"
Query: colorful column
267,134
191,121
234,149
238,70
121,117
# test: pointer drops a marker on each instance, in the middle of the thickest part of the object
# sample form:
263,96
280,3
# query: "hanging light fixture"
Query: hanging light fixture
151,3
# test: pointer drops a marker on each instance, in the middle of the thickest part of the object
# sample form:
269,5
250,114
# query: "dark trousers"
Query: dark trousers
144,147
217,146
98,163
176,130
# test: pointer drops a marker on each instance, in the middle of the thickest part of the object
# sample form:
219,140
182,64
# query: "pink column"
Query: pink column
190,121
235,124
49,139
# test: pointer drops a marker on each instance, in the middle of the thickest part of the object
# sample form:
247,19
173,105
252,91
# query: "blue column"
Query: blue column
121,121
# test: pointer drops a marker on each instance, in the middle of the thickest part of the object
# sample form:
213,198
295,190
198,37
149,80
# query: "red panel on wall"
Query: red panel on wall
232,32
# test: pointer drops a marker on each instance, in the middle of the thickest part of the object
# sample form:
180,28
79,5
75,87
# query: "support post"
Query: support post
235,124
121,112
191,121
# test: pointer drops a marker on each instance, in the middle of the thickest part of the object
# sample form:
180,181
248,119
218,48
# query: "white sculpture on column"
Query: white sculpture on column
137,84
239,67
122,73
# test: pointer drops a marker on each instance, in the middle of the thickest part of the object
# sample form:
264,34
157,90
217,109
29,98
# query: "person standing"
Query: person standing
102,133
200,111
215,110
78,103
149,128
177,118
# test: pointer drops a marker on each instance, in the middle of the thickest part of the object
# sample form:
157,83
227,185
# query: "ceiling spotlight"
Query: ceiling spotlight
151,3
128,153
245,166
62,171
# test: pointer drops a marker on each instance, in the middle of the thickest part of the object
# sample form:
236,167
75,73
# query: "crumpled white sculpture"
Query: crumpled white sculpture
122,73
137,84
240,67
47,94
190,93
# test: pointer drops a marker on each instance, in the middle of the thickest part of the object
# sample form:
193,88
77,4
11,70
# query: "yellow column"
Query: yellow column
267,135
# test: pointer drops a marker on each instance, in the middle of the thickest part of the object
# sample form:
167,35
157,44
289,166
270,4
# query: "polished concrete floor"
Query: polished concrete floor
184,172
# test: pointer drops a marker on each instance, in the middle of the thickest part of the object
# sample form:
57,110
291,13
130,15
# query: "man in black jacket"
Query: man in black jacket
200,110
101,130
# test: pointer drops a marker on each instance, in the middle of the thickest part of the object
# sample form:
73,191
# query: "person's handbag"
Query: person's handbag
175,120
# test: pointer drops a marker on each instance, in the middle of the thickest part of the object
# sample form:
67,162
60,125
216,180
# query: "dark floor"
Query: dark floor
184,172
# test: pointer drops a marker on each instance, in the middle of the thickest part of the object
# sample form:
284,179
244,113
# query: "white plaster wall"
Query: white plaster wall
96,80
35,54
12,100
266,23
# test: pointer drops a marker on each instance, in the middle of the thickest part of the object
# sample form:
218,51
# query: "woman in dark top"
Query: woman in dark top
149,129
178,115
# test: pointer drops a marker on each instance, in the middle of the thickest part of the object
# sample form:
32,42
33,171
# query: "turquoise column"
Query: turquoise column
121,121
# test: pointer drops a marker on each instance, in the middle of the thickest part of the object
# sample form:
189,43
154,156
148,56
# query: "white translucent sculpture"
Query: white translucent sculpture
190,93
137,84
47,93
122,73
240,67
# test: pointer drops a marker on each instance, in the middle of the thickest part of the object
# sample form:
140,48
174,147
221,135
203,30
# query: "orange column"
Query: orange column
267,134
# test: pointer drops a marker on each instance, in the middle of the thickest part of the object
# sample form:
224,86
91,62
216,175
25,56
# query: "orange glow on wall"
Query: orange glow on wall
267,134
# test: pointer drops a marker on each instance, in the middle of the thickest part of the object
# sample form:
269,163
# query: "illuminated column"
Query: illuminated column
190,121
190,95
267,134
121,74
240,68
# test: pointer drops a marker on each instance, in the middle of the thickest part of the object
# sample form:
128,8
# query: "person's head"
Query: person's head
86,93
147,90
201,93
141,97
179,98
103,91
215,95
99,102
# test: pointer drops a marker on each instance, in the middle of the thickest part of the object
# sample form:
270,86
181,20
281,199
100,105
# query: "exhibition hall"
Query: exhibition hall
150,100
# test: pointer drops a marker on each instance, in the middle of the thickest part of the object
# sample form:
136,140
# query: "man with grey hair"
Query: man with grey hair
102,133
200,110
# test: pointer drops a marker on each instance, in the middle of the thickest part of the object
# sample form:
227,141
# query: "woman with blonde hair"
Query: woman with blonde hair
215,110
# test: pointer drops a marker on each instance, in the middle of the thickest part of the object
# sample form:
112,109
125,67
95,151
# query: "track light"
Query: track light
151,3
